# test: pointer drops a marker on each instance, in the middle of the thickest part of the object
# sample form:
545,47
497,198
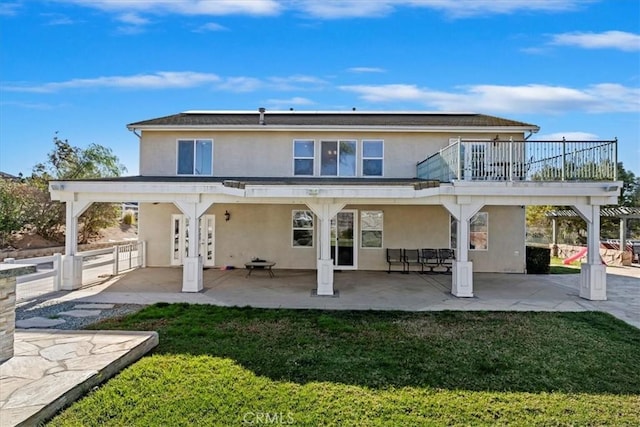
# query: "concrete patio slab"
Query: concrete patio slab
80,313
52,368
38,322
93,306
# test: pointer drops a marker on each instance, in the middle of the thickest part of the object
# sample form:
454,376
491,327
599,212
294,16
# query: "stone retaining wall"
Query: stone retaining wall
40,252
611,257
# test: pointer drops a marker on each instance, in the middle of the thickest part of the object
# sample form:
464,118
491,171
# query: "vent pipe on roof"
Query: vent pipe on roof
261,110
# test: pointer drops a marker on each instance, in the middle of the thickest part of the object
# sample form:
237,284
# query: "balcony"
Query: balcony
476,160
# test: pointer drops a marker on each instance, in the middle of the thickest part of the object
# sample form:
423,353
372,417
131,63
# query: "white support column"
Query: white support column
593,274
462,271
324,212
71,263
192,264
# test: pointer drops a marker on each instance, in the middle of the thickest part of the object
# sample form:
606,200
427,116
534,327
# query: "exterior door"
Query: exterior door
474,155
344,247
180,239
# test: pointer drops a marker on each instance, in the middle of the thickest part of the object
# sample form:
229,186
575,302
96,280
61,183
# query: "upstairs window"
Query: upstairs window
338,158
195,157
372,158
303,157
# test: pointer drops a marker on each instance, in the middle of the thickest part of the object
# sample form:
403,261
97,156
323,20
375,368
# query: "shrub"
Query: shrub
129,218
538,260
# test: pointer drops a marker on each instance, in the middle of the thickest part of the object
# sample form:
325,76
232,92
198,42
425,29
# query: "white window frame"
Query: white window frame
338,142
363,158
362,229
294,229
195,158
312,141
487,231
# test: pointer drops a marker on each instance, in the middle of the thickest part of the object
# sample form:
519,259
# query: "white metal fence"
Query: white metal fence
95,267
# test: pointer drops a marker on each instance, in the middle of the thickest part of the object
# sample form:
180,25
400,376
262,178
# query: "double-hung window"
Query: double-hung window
372,158
338,158
195,157
302,225
479,232
303,157
371,223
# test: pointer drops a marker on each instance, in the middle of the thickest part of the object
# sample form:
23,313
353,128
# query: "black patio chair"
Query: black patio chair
446,257
429,258
394,257
412,257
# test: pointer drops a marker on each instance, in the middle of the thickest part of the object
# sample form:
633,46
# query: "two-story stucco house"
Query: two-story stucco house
334,190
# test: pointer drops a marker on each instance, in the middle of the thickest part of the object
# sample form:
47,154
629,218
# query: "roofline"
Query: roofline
336,112
325,128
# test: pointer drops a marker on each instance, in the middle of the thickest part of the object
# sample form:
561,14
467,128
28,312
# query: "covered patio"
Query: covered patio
371,290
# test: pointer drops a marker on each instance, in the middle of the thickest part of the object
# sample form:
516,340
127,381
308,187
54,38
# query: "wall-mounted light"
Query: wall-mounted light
227,215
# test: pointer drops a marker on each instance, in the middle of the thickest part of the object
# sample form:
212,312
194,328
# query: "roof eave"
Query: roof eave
324,128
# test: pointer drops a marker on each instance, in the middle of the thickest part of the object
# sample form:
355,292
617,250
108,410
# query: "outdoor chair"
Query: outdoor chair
412,257
395,256
429,258
446,257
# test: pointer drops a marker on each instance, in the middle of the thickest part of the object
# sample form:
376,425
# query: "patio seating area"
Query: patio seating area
434,259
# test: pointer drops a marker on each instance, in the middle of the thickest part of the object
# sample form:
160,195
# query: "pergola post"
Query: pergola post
324,212
462,270
192,265
71,262
593,273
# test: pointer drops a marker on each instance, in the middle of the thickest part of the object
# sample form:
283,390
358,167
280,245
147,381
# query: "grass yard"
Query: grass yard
557,266
244,366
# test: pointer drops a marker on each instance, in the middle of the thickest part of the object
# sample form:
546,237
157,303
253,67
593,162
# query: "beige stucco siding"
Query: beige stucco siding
265,231
155,229
506,252
255,154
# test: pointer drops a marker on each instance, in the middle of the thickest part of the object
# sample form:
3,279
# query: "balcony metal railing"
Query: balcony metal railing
522,161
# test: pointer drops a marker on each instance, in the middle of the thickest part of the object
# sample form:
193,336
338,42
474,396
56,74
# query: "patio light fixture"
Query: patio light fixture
227,215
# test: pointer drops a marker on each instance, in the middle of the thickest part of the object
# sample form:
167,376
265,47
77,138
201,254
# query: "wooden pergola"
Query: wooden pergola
623,213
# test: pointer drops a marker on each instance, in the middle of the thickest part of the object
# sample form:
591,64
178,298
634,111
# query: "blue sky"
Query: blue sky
86,68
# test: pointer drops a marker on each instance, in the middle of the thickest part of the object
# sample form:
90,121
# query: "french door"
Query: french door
344,245
180,239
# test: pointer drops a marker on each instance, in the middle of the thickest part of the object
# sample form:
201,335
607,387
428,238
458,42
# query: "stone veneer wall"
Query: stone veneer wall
610,256
8,274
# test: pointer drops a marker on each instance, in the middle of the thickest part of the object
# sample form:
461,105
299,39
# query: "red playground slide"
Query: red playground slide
579,255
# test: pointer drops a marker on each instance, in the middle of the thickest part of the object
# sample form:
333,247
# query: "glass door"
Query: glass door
343,239
180,239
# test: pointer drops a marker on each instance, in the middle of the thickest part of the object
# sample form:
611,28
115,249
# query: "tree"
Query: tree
11,209
67,162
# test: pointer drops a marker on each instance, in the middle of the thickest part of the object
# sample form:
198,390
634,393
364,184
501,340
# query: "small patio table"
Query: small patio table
260,265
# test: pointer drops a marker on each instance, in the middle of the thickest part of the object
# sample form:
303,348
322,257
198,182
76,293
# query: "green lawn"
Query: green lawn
244,366
557,266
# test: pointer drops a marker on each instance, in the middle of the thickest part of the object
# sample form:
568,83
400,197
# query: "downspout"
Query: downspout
531,132
136,133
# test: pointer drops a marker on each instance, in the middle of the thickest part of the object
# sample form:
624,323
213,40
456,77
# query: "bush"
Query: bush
129,218
538,260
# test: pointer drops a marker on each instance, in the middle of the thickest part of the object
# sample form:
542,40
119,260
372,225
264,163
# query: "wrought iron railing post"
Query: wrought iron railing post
564,159
511,159
615,159
459,161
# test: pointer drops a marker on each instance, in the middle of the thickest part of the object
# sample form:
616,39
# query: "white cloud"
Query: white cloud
287,103
328,9
185,7
159,80
240,84
9,9
366,70
453,8
210,27
569,136
608,40
133,19
296,82
58,19
533,98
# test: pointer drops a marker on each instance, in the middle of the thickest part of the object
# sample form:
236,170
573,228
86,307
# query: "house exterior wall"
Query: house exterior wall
265,231
506,246
270,154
